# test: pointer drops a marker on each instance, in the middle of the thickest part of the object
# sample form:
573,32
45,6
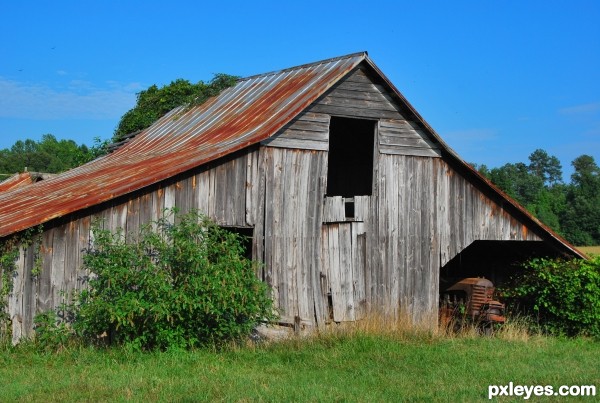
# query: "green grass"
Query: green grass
332,368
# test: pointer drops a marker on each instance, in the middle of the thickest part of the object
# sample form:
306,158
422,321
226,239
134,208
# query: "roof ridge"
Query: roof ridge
301,66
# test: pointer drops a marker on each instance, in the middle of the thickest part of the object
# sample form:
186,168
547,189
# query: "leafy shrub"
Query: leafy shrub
563,294
177,286
53,330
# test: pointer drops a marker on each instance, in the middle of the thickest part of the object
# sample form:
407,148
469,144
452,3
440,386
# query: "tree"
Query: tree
47,155
155,102
545,167
581,218
517,182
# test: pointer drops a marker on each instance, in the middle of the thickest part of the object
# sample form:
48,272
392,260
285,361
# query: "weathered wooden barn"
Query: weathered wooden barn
353,202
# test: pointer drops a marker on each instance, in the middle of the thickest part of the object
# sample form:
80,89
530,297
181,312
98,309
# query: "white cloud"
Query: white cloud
80,100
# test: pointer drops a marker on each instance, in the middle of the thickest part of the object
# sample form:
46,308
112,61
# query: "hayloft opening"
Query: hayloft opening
350,159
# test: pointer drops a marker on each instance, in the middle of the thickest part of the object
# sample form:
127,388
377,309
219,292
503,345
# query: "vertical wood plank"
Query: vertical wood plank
58,265
73,249
358,270
15,299
44,289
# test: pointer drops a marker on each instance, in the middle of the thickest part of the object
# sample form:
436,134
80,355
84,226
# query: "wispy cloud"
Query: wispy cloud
79,100
583,109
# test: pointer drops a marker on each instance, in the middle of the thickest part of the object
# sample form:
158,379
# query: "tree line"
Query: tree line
571,209
47,155
50,155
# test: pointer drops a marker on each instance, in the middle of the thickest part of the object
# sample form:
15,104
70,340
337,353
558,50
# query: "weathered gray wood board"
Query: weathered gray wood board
309,131
402,137
357,96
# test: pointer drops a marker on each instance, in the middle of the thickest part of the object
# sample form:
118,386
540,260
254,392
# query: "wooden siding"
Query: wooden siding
357,96
402,137
293,215
425,213
309,131
385,259
422,213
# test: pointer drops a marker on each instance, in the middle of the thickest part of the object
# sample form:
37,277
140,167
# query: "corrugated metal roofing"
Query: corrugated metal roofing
16,181
247,113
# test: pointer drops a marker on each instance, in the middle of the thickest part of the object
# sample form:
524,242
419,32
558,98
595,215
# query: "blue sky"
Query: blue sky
496,79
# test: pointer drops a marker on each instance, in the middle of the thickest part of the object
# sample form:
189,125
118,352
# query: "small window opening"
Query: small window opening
350,158
349,208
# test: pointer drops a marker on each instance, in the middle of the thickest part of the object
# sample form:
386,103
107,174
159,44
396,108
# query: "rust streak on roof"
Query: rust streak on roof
16,181
245,114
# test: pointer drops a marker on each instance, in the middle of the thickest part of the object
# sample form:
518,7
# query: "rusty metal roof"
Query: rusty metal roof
23,179
16,181
245,114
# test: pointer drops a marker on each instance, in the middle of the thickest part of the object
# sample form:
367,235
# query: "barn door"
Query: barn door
343,270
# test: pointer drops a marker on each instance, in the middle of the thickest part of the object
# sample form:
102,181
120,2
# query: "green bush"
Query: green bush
564,295
175,286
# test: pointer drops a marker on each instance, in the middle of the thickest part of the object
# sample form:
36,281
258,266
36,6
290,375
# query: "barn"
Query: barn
353,203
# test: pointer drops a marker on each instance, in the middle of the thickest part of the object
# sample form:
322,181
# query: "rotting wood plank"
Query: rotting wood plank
288,238
29,288
379,105
133,218
333,209
358,269
239,191
310,131
317,173
335,274
85,238
302,144
44,286
258,248
72,257
406,142
356,112
251,188
15,299
346,271
182,197
393,166
364,87
307,232
203,192
58,265
324,272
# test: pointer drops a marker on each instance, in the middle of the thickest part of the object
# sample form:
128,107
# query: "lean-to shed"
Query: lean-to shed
353,202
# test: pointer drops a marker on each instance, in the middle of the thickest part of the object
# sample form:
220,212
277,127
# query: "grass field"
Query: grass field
359,367
595,250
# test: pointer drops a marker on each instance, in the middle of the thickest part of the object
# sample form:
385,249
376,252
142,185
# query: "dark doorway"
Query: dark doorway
350,160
